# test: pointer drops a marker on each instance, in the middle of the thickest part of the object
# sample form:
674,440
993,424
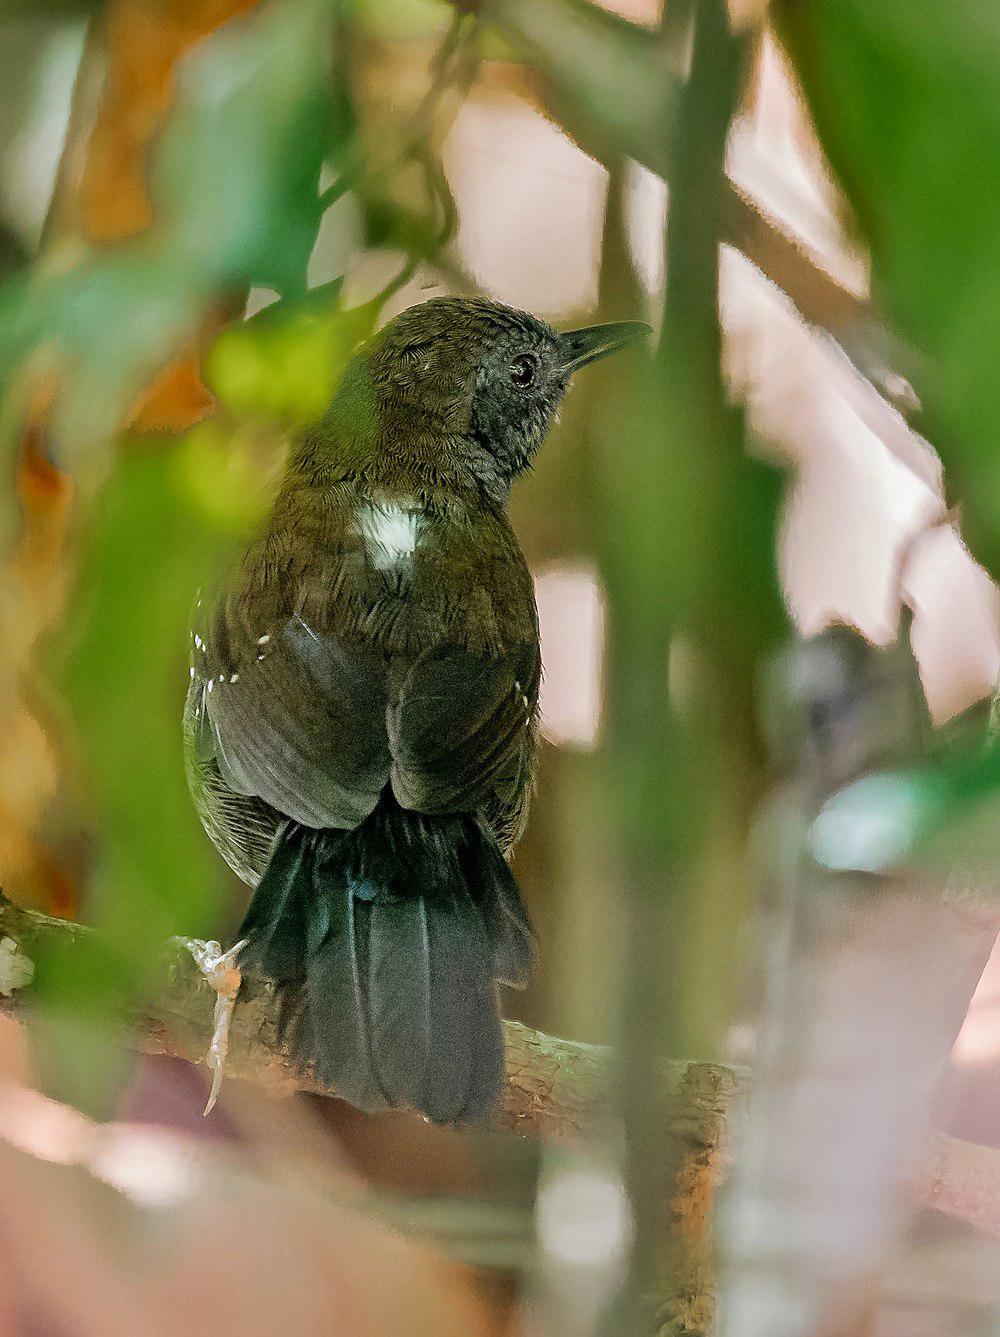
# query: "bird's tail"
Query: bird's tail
386,944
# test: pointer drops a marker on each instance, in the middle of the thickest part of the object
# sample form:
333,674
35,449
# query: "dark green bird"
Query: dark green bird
362,719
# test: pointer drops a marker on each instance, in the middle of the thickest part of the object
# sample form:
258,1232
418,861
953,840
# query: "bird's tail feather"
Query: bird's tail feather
387,944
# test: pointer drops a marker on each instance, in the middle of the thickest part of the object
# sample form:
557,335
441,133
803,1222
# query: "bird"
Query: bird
361,723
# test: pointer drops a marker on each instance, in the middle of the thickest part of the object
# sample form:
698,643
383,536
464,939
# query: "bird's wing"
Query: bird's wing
462,733
241,826
384,679
295,718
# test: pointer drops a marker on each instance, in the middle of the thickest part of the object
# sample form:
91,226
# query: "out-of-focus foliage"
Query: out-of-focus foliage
906,96
284,364
234,183
886,821
246,143
614,84
261,106
163,522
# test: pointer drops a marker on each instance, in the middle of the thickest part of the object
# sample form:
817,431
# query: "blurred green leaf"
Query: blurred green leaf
154,538
284,365
391,225
613,84
403,20
161,525
234,179
884,821
906,97
116,321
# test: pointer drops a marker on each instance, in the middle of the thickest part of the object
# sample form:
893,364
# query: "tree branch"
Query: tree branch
557,1089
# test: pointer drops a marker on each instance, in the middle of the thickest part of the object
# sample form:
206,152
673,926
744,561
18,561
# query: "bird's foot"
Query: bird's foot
223,974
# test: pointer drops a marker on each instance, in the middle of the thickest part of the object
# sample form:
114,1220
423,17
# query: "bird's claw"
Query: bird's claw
223,975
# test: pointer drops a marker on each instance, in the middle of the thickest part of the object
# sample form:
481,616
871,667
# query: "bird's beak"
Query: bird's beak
582,346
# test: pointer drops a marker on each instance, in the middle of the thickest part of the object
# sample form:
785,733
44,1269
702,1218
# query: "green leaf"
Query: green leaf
234,180
153,540
613,84
236,177
906,97
284,365
885,821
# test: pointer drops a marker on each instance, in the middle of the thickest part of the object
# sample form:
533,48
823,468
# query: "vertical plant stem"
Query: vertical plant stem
665,558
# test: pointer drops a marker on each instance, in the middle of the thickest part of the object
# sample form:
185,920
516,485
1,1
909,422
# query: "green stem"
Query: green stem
664,562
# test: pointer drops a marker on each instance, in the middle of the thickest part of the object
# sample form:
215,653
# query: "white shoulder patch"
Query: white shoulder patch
390,532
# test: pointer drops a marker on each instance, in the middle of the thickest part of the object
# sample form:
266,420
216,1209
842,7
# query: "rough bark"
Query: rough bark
557,1089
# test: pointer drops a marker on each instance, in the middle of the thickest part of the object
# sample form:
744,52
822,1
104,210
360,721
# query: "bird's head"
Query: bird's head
477,377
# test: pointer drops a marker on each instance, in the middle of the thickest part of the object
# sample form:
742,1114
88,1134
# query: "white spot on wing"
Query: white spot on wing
390,533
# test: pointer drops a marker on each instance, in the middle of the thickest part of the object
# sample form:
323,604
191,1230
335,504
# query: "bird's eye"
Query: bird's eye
523,371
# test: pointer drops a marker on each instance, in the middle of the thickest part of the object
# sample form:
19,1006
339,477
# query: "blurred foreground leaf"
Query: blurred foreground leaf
906,97
614,84
885,821
163,522
284,365
234,183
